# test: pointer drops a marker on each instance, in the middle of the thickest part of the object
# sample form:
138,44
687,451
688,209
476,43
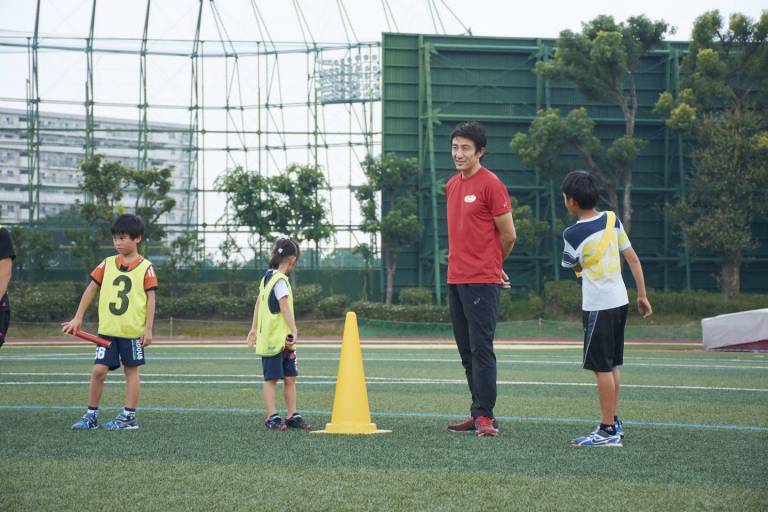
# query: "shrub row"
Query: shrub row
416,296
401,313
565,297
55,302
509,309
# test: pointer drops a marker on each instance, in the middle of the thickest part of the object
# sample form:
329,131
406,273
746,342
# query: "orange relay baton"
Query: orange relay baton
92,338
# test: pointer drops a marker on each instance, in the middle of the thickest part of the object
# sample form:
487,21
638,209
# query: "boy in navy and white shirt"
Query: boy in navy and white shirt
594,252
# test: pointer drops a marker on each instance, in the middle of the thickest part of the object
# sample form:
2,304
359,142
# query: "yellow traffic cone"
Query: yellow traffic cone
351,414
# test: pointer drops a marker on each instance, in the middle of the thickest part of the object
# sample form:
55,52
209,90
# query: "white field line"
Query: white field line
310,351
250,357
371,381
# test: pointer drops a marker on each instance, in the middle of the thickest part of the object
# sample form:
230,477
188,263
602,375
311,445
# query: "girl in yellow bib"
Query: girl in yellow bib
126,285
274,335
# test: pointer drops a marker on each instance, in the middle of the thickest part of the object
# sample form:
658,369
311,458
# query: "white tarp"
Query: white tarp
735,328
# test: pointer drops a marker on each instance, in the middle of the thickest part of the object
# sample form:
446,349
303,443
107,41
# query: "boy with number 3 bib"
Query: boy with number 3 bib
127,285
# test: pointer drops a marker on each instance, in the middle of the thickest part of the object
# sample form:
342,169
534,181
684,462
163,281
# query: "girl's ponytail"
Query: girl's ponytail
283,248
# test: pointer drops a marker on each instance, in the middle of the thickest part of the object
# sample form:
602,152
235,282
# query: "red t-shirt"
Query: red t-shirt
474,243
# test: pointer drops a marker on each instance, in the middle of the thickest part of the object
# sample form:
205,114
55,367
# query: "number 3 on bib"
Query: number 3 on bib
122,294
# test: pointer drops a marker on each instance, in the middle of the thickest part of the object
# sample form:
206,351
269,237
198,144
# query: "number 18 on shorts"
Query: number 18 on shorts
127,351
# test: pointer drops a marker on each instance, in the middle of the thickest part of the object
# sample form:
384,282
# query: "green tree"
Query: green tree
551,136
602,61
288,203
34,248
300,211
529,230
251,203
105,185
366,252
184,257
391,178
232,260
722,108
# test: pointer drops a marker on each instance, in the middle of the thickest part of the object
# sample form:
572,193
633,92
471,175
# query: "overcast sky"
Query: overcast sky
509,18
62,74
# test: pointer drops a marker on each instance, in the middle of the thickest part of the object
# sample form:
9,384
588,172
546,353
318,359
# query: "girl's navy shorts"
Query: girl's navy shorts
280,365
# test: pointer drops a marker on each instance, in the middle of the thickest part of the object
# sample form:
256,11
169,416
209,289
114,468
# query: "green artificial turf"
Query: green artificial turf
696,423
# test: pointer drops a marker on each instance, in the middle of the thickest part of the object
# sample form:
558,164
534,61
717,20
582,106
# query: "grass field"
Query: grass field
696,423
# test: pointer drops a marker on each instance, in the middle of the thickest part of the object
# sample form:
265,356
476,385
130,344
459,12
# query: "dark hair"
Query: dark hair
128,224
283,248
473,131
582,187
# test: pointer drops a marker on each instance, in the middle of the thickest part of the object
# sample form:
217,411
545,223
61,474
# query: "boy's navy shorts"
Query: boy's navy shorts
126,350
604,338
280,365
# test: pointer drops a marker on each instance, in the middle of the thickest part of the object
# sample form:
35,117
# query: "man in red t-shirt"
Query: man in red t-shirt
481,235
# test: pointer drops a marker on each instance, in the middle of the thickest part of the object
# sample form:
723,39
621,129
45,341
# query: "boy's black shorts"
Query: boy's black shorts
5,321
604,338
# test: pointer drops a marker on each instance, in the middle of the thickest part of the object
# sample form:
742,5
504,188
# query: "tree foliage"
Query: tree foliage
528,229
602,61
184,258
603,58
366,252
34,248
105,185
288,203
300,211
249,200
722,108
551,136
391,178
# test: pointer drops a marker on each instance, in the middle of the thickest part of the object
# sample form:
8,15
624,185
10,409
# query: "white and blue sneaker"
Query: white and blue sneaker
620,428
123,422
599,439
87,422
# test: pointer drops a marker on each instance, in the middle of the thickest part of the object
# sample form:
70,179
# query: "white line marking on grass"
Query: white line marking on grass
331,380
574,362
250,357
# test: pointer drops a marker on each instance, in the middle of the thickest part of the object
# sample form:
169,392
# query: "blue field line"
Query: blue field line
395,414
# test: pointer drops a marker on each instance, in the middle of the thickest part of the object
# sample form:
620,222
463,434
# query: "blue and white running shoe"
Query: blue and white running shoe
619,425
620,428
123,422
87,422
599,439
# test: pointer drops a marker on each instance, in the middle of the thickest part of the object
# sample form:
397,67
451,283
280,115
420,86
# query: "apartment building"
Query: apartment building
62,143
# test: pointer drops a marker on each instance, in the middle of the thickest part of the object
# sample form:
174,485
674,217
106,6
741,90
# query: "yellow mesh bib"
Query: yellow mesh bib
271,328
122,300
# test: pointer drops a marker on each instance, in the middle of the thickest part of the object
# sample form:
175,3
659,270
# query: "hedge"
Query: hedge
401,313
564,297
47,302
416,296
333,307
57,302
